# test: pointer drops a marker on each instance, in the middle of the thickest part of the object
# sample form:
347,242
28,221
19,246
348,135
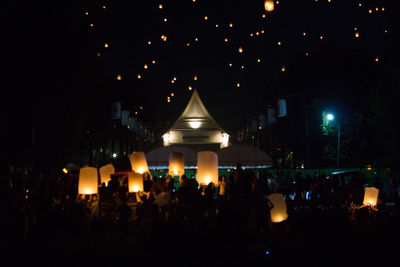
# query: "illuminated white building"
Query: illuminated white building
196,127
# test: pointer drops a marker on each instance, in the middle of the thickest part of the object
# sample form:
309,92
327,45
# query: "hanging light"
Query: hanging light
87,183
138,162
269,5
135,182
176,164
278,211
105,173
371,196
207,167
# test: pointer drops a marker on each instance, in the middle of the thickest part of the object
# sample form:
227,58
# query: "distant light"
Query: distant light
264,16
258,60
153,61
165,20
91,25
145,66
226,40
114,155
370,11
205,18
196,39
307,53
230,64
321,37
216,25
149,42
65,170
279,43
376,59
238,85
139,76
242,67
98,54
330,117
357,35
164,38
172,94
104,7
262,31
283,68
86,13
187,44
195,78
174,78
240,50
304,33
251,34
230,25
106,45
269,5
257,33
160,6
141,107
190,88
119,77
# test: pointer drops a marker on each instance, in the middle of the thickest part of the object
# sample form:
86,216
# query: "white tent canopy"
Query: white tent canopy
248,156
159,158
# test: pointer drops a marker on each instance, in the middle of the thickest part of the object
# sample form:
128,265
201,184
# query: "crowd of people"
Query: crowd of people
39,201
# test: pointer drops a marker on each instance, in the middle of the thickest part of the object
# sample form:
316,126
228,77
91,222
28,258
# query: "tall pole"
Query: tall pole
338,148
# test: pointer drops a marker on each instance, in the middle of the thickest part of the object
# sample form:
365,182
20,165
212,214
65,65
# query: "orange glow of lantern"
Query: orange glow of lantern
88,181
269,5
138,162
105,173
278,211
207,167
176,164
371,196
135,182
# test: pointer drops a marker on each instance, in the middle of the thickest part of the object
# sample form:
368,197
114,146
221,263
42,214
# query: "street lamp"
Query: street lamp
331,117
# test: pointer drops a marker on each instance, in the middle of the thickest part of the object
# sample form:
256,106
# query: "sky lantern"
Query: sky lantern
371,196
135,182
269,5
207,167
278,211
106,45
105,173
176,164
119,77
240,49
88,181
138,162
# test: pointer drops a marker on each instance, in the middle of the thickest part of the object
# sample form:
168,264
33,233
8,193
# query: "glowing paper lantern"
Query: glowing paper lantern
371,196
207,167
138,162
105,173
176,164
88,181
135,182
269,5
278,211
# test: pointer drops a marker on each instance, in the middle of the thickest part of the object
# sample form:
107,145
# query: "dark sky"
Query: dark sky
55,77
127,27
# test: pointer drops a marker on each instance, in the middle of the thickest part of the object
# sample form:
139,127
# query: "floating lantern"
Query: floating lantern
370,196
88,181
278,211
135,182
176,164
207,167
105,173
269,5
138,162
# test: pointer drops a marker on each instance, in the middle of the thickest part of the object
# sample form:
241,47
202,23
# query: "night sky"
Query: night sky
60,72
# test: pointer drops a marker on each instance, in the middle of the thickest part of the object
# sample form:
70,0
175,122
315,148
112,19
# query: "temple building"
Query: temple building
196,128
